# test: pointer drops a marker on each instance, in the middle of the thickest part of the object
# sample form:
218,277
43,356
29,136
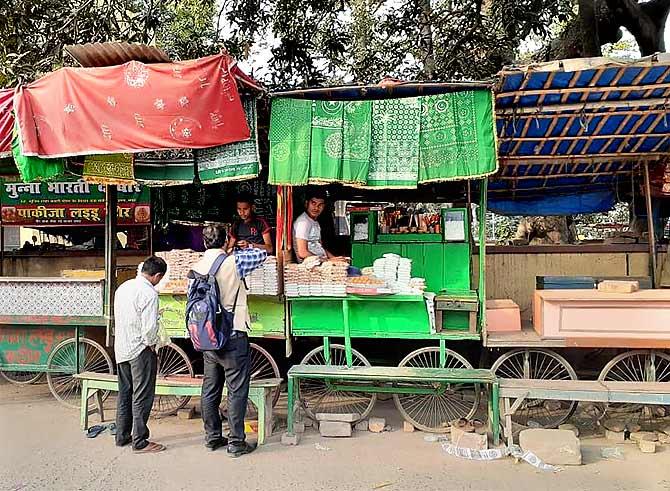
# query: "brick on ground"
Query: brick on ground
407,427
556,447
344,417
186,413
335,429
377,425
362,425
471,440
293,439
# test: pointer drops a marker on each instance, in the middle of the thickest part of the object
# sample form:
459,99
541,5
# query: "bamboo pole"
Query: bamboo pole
110,260
583,106
650,225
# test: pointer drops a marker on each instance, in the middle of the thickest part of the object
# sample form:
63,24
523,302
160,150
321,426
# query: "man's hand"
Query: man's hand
242,244
340,259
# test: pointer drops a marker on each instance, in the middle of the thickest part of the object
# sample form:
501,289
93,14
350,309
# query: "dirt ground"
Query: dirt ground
42,448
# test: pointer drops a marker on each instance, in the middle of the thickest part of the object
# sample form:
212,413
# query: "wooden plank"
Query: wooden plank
175,381
587,390
52,320
390,373
526,338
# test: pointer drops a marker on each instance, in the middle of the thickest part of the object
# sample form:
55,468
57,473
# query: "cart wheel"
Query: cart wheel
637,366
61,366
541,364
262,365
21,378
318,396
172,362
434,412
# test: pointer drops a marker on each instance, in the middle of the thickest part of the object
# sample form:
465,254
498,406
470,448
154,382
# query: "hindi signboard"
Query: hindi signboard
70,203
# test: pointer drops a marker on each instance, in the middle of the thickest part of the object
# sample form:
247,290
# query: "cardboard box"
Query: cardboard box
502,316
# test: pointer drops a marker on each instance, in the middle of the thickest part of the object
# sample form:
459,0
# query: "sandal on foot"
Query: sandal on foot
151,447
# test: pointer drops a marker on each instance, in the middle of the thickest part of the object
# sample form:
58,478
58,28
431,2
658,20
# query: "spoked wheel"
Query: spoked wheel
62,364
318,396
538,364
637,366
172,362
261,366
435,411
21,378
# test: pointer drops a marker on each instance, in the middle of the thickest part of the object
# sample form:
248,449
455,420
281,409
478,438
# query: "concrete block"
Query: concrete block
646,446
464,439
377,425
186,413
407,427
556,447
614,425
299,427
335,429
615,436
610,286
362,425
287,439
343,418
647,436
569,427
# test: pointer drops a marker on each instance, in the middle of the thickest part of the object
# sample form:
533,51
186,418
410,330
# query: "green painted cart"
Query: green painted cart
52,326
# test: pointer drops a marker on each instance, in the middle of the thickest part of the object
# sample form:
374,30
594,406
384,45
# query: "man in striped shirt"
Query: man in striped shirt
135,339
230,364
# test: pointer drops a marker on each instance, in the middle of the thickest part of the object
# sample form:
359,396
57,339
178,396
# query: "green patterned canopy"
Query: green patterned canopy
389,143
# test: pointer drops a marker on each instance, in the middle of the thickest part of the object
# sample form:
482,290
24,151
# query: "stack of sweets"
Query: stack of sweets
179,263
386,268
334,279
404,270
263,281
311,280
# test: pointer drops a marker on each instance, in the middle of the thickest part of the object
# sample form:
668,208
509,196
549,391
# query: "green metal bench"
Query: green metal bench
260,394
385,377
577,390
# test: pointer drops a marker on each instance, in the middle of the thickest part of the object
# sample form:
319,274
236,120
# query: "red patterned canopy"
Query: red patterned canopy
6,122
131,107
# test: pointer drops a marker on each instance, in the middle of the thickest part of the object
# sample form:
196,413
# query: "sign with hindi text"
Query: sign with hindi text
70,203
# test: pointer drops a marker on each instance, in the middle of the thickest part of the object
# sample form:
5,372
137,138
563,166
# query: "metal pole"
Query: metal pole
483,190
2,249
650,225
110,259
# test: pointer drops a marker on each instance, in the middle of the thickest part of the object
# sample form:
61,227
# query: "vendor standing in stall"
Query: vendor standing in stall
250,230
307,231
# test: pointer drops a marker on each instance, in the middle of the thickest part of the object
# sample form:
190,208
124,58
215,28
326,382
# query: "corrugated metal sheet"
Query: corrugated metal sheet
109,54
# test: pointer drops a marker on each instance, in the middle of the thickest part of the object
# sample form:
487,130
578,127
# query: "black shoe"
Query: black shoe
239,449
124,443
216,444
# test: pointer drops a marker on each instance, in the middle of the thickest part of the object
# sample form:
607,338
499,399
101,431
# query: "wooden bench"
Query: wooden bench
577,390
389,375
260,394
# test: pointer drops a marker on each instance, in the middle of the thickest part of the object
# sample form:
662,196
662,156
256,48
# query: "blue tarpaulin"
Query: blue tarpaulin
570,204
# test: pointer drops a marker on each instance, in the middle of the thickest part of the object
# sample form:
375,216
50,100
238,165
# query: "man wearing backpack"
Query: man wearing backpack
229,364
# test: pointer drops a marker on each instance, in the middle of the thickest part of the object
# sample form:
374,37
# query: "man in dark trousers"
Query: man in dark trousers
230,364
135,339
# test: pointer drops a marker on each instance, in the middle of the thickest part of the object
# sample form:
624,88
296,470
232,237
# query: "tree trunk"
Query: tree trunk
426,50
589,30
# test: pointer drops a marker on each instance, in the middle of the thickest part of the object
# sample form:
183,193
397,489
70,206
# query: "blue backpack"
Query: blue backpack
209,325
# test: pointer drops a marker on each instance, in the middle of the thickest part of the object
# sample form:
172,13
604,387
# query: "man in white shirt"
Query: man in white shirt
135,339
307,231
230,364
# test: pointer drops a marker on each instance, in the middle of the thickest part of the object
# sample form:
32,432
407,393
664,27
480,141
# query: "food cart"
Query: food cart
575,137
370,139
99,155
44,318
